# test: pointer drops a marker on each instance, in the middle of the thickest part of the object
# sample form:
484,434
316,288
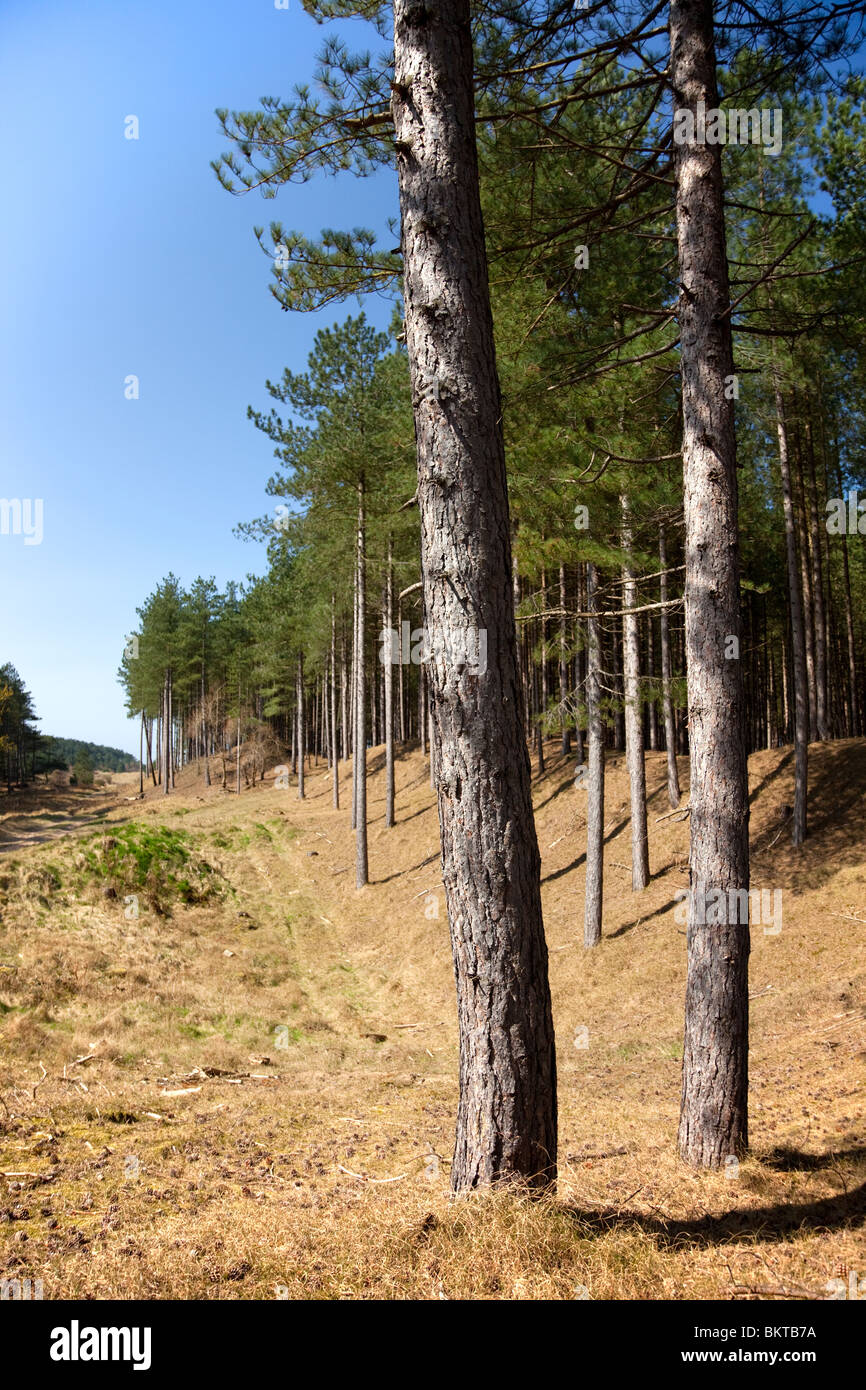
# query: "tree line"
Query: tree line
25,752
602,481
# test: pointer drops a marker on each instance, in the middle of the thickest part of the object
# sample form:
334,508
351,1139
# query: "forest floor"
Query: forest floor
248,1089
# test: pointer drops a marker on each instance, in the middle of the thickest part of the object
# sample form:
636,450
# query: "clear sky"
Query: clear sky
122,257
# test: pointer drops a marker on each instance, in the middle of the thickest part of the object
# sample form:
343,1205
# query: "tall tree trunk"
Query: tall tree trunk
344,694
238,759
302,725
354,694
714,1107
537,719
667,702
616,681
594,889
821,711
563,667
633,717
798,636
652,705
422,709
335,747
579,666
506,1124
148,730
204,734
854,720
544,690
808,610
401,698
171,729
389,689
361,867
166,739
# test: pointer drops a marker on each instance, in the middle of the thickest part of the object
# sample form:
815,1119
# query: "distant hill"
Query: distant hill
62,752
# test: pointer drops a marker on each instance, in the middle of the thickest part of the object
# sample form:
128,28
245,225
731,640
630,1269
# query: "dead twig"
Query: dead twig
677,814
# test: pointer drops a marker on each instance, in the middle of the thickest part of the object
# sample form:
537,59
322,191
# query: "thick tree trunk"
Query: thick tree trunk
593,892
633,717
714,1108
506,1125
667,702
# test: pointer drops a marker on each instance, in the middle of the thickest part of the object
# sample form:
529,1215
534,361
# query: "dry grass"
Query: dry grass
254,1097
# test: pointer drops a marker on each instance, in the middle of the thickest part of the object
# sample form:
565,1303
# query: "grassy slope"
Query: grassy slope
268,1100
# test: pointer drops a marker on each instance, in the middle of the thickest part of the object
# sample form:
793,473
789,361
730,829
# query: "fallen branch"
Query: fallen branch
763,1290
362,1177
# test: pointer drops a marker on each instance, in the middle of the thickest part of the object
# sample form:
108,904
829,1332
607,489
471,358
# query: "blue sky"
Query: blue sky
123,257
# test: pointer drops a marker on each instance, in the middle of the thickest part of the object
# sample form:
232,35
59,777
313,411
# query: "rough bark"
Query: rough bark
506,1123
714,1106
